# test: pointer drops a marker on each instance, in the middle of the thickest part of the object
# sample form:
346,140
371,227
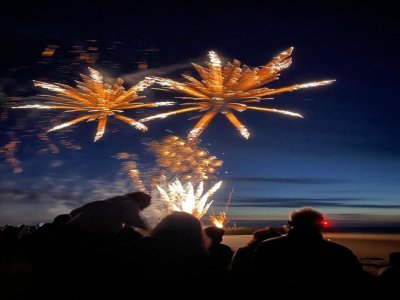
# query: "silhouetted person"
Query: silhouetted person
109,216
219,255
128,234
172,260
303,265
81,251
60,221
218,261
181,237
389,277
242,258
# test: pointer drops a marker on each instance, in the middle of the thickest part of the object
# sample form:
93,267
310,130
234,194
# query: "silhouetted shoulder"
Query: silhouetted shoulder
274,242
86,206
226,248
270,249
337,247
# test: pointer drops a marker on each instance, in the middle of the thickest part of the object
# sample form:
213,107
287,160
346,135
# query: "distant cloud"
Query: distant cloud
31,196
285,202
286,180
40,200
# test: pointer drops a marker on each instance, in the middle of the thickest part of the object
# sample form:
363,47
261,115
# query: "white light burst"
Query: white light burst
185,197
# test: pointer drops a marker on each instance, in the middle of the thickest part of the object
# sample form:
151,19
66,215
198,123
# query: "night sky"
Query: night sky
342,158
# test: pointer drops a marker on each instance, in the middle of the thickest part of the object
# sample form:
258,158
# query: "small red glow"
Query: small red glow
325,223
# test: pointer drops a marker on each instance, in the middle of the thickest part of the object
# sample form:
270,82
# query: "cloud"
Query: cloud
285,180
19,206
285,202
31,196
40,200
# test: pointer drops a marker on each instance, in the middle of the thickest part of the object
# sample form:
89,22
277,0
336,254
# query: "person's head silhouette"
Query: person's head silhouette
306,219
263,234
181,229
394,259
142,199
215,234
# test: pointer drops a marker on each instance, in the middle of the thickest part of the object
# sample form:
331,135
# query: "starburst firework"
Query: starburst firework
97,99
229,88
179,197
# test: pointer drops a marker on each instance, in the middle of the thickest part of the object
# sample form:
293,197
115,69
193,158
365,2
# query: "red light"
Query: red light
325,223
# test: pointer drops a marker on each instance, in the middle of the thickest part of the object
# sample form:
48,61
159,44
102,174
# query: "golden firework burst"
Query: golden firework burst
229,88
97,99
178,158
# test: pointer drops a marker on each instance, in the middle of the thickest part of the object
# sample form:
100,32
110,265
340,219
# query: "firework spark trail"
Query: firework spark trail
225,89
70,145
9,151
229,200
97,99
53,148
221,219
3,116
134,175
22,134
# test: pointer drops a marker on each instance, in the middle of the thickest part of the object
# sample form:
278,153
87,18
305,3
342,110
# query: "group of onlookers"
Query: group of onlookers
102,251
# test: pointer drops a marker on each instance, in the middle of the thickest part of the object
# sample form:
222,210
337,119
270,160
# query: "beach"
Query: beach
372,249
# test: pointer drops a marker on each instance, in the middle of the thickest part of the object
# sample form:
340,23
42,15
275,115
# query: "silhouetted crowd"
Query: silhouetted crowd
103,250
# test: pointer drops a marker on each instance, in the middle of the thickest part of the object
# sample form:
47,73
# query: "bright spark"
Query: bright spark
37,106
220,220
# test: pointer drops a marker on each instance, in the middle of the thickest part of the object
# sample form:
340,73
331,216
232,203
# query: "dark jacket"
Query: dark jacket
306,265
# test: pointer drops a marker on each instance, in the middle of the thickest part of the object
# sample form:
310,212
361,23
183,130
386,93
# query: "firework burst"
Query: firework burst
229,88
184,197
175,181
219,220
179,158
97,99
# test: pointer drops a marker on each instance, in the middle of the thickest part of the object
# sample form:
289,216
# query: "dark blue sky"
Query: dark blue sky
342,158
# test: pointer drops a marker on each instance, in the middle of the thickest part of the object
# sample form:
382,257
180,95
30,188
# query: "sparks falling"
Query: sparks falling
97,99
230,88
179,158
184,197
9,151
